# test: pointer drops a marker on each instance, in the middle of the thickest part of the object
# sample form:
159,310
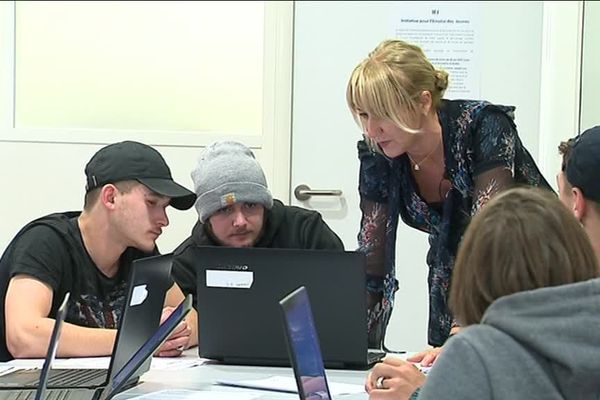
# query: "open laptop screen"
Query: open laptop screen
145,352
303,346
246,284
52,347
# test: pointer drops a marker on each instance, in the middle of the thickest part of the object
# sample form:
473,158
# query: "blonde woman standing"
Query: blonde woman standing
432,162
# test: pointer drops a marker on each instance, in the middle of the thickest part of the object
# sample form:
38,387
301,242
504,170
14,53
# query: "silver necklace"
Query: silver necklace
416,166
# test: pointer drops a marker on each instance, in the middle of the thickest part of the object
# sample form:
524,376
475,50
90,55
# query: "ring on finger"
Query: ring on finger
379,382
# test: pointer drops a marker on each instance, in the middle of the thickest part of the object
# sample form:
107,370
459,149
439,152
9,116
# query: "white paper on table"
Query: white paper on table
174,363
82,363
180,394
405,356
288,384
169,363
163,363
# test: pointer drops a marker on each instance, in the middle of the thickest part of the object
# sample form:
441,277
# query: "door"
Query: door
330,39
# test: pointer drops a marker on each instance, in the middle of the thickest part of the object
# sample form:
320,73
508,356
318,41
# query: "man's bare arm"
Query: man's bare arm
28,328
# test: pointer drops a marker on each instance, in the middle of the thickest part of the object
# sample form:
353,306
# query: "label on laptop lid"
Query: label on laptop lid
229,279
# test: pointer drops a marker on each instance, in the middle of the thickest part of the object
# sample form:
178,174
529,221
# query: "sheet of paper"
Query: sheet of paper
450,33
178,394
288,384
170,363
404,357
82,362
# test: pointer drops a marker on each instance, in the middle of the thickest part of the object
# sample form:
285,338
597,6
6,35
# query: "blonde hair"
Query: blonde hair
523,239
389,82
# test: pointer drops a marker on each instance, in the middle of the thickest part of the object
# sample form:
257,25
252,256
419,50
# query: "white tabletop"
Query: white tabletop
176,373
204,377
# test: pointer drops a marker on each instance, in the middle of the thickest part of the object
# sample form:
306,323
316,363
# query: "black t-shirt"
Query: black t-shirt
51,250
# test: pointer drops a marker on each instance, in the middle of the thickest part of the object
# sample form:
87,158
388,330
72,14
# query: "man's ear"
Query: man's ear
579,204
108,195
426,102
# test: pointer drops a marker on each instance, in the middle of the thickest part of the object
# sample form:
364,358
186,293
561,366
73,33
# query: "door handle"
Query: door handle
303,192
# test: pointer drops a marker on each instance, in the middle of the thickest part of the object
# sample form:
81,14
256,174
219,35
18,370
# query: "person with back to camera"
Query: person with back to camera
525,290
578,184
432,162
89,254
236,209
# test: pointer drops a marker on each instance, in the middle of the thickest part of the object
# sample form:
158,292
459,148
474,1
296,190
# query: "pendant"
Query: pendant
417,168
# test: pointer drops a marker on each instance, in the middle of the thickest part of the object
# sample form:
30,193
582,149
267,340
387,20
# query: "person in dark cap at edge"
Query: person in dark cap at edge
236,209
578,183
89,254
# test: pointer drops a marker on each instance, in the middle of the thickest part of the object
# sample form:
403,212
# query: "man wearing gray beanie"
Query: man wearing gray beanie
236,209
228,174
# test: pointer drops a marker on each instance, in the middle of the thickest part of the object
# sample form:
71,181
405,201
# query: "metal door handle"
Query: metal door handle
303,192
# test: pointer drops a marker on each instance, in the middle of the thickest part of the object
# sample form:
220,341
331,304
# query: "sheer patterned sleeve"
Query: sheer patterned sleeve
494,143
373,181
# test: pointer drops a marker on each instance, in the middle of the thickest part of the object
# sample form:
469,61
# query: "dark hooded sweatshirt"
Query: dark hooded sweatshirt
286,227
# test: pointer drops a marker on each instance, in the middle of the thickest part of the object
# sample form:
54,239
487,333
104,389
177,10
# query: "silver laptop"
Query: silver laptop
238,291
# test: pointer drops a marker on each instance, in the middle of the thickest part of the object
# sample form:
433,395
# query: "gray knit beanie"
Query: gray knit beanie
227,173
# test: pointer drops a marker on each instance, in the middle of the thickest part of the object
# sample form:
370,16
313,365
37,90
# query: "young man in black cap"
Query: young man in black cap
89,254
578,183
236,209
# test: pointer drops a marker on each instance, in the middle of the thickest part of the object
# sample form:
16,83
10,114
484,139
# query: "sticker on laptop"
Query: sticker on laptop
139,295
229,279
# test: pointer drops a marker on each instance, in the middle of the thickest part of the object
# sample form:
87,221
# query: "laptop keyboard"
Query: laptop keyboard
58,394
58,378
76,377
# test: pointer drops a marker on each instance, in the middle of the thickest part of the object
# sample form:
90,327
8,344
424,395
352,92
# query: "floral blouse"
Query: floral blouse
483,155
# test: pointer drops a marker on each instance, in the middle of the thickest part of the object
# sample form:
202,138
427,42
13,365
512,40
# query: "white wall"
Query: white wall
530,59
590,79
42,167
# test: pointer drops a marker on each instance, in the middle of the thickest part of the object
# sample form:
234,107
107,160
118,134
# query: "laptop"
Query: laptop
121,377
238,290
303,346
149,280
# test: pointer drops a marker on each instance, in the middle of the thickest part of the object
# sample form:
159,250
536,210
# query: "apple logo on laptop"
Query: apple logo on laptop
140,293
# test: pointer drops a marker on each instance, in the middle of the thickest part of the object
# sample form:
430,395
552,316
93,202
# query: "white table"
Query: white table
203,377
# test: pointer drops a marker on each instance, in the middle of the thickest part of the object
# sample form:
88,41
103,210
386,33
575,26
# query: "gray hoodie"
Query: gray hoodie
538,344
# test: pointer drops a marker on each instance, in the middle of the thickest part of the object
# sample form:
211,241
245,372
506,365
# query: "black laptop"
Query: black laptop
116,383
149,280
303,346
237,301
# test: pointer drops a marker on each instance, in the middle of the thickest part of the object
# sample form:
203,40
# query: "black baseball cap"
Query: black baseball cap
584,163
130,160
